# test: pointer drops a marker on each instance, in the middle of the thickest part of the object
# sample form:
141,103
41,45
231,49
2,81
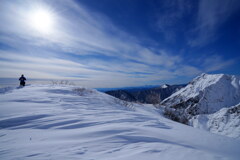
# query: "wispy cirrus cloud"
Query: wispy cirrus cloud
85,46
210,16
94,73
216,63
170,17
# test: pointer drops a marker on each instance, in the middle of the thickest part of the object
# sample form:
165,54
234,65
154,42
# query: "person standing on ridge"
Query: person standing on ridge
22,80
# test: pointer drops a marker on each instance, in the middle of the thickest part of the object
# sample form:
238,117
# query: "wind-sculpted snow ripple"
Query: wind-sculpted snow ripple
60,122
6,90
19,121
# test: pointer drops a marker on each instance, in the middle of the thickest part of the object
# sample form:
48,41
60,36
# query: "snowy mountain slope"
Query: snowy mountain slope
64,122
224,122
122,94
165,86
206,94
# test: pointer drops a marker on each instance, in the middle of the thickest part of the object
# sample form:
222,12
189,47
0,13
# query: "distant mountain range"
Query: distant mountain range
152,95
127,88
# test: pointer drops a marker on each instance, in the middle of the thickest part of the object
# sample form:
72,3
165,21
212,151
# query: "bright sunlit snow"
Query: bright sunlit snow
62,122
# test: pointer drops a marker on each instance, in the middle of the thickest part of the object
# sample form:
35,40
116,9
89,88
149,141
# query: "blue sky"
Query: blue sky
116,43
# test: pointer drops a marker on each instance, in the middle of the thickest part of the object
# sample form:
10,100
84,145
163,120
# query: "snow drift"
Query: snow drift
64,122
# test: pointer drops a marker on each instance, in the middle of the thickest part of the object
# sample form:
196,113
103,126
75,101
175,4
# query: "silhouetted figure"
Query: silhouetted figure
22,80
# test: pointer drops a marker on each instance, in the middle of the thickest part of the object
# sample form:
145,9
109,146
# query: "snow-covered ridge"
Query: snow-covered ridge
206,94
210,93
67,122
198,84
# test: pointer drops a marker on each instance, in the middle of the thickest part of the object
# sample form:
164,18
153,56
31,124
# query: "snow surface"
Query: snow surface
65,122
224,122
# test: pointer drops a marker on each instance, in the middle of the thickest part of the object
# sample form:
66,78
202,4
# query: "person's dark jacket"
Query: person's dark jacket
22,80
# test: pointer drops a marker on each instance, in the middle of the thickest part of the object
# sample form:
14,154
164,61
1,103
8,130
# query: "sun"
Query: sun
41,20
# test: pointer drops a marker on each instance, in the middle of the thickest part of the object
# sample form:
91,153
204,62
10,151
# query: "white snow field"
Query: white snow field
64,123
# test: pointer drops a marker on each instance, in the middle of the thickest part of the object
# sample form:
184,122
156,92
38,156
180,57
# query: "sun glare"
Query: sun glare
41,20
